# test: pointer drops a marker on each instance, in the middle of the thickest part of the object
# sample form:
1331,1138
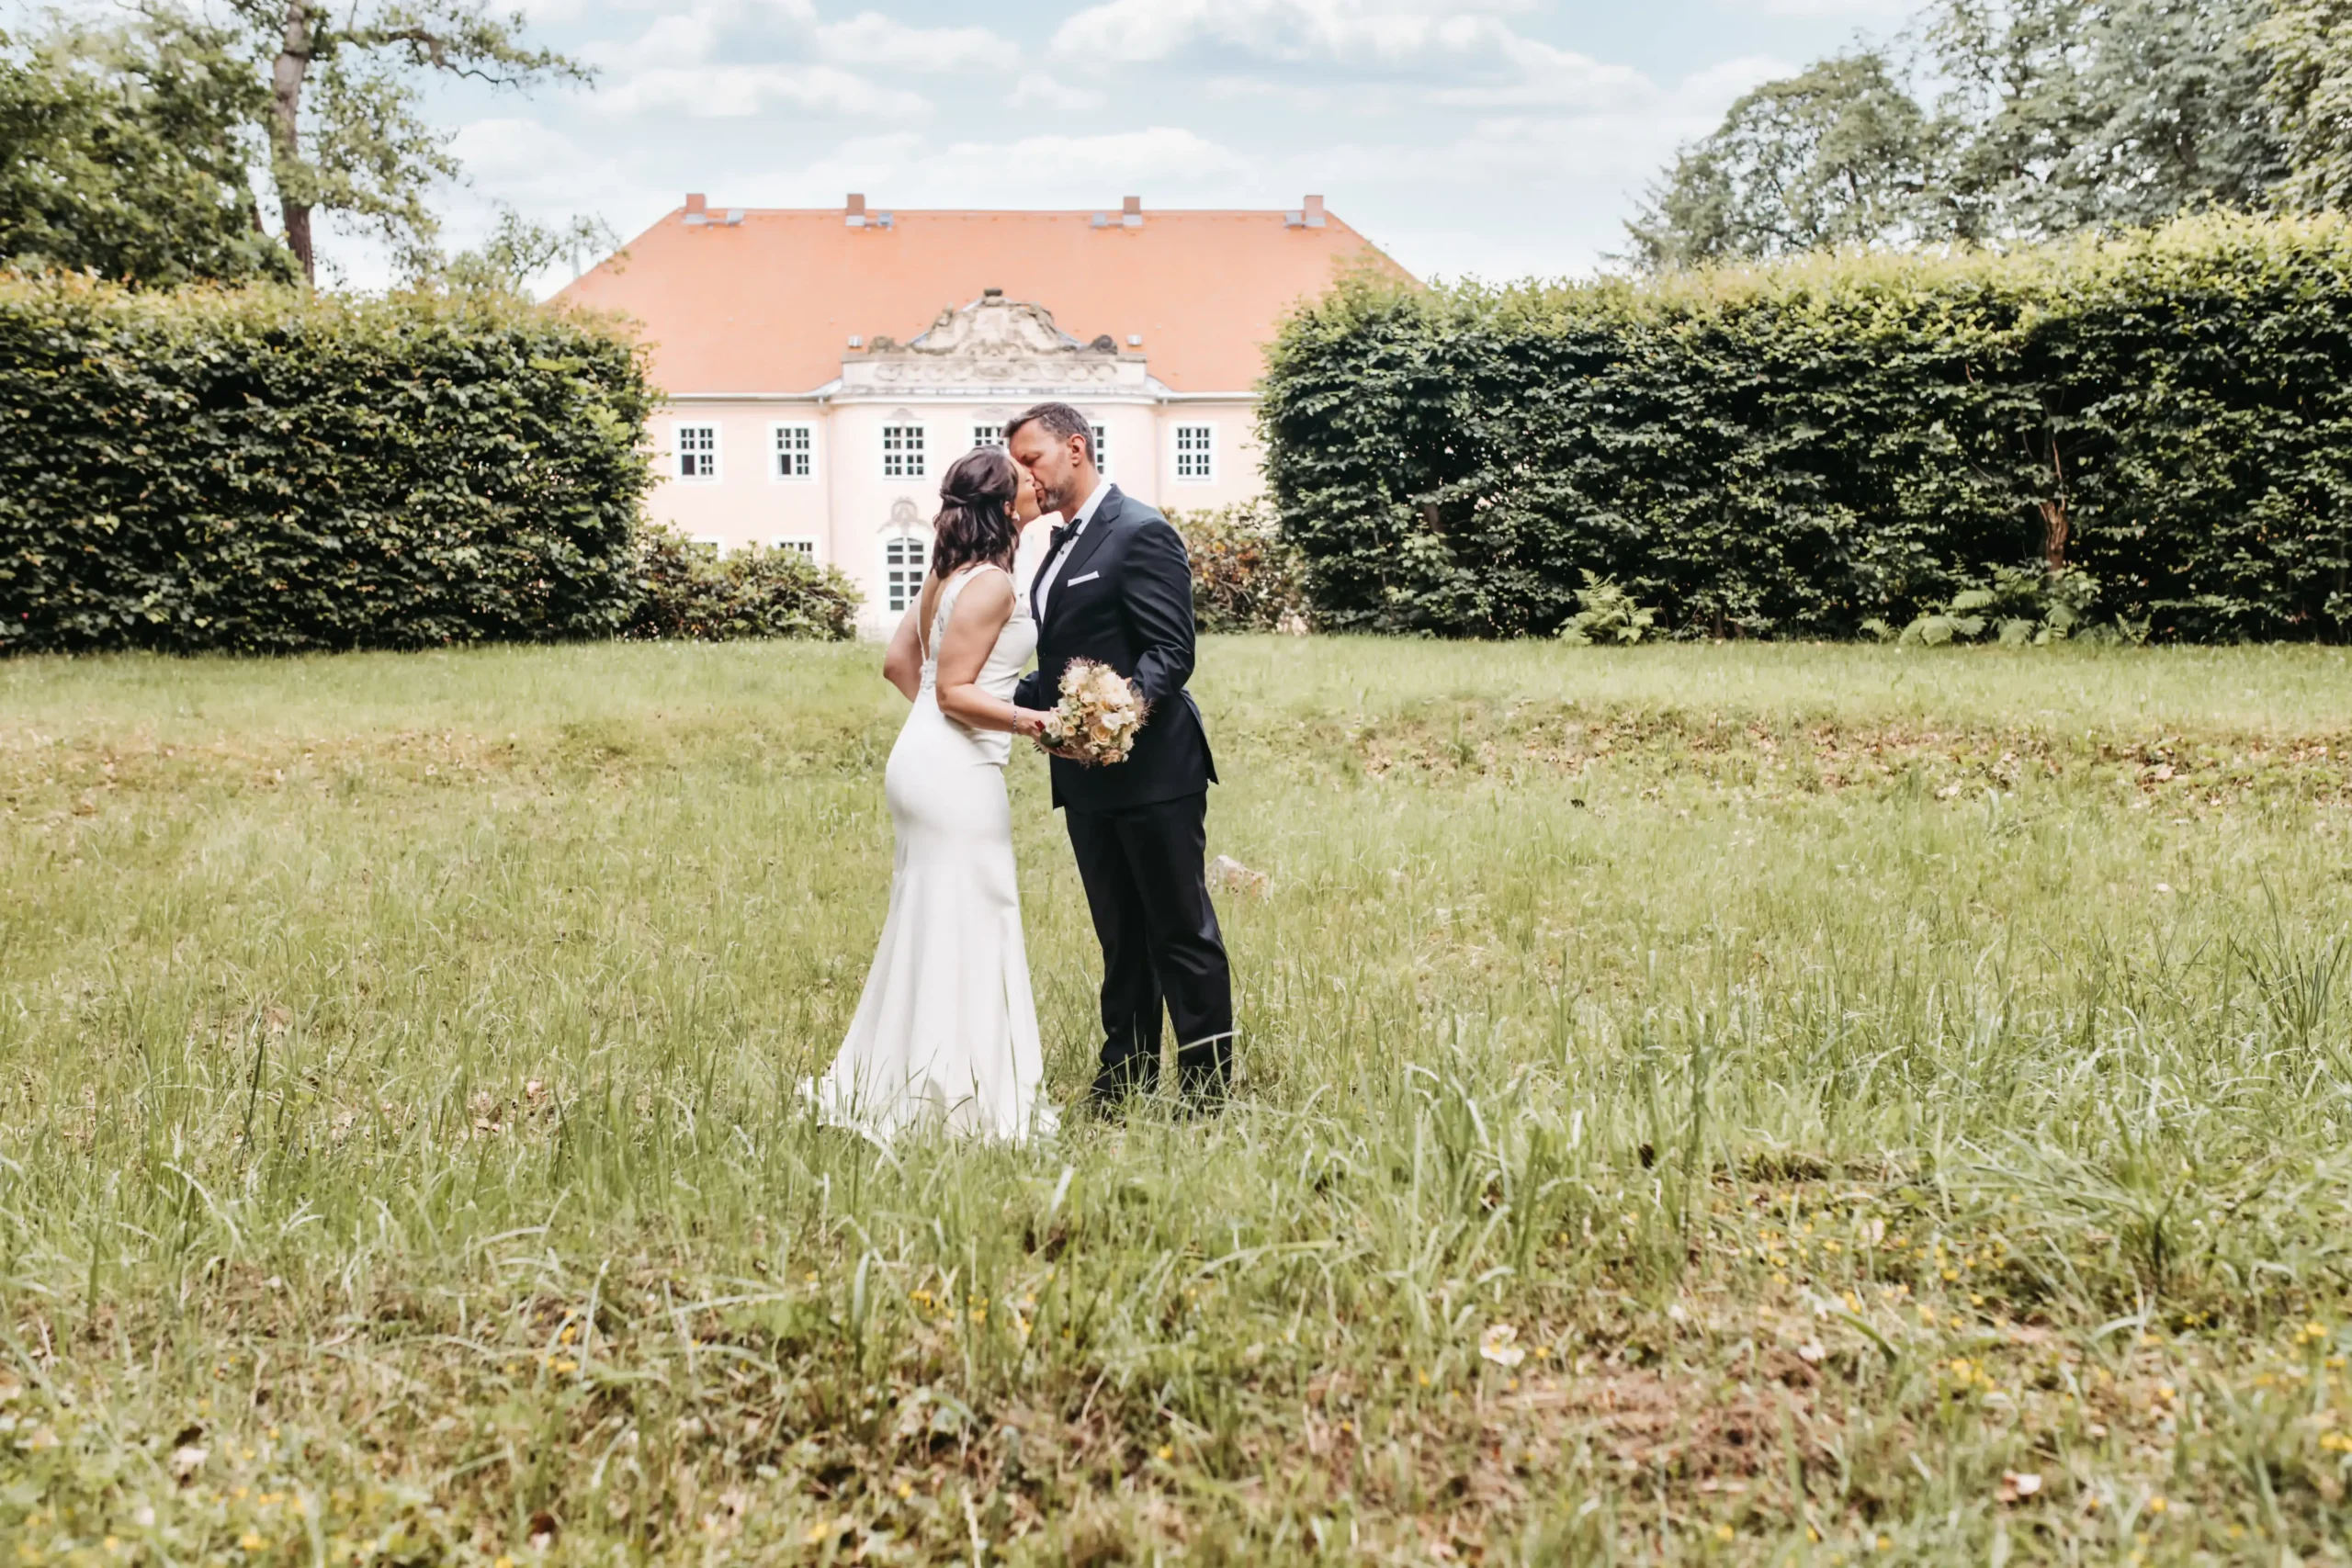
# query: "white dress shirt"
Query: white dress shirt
1030,553
1077,530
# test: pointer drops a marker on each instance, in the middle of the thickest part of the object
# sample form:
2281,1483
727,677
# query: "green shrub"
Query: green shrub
1805,448
692,592
270,470
2022,606
1246,576
1607,613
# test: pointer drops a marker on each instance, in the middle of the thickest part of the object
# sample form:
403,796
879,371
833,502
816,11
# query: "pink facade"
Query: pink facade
796,418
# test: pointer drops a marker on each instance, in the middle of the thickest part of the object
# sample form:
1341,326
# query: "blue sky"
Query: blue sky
1495,138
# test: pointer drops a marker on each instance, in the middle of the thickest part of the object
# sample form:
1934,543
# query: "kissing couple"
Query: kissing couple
945,1033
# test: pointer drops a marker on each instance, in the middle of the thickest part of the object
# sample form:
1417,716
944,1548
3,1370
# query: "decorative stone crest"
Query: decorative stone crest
995,328
992,344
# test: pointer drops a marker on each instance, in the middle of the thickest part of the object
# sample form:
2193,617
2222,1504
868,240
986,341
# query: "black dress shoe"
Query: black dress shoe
1114,1086
1206,1092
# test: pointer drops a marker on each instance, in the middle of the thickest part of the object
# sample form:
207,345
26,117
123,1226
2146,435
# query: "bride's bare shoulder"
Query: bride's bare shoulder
988,592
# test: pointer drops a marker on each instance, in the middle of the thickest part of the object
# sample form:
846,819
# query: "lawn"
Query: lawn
1732,1103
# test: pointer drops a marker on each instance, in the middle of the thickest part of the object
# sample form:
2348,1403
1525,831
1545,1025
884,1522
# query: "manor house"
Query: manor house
823,368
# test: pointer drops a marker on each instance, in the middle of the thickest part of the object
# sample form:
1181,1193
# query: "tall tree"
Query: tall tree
2099,114
519,250
346,127
125,151
1837,155
2307,45
2046,117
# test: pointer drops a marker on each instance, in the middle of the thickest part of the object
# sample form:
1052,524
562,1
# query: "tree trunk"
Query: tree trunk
2055,524
2053,534
285,79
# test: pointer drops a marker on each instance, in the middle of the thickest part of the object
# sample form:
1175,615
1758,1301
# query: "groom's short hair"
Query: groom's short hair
1061,422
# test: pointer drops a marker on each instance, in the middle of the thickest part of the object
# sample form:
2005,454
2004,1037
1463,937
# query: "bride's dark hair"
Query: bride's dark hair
975,521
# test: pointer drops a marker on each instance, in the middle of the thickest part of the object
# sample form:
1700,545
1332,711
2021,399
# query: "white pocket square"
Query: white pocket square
1076,580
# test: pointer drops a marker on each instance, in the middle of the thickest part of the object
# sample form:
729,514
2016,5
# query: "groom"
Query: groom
1114,588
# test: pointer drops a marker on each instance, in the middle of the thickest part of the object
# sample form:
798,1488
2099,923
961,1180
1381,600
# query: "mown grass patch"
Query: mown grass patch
1702,1104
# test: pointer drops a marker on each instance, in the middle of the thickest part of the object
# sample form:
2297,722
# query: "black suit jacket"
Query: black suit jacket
1124,598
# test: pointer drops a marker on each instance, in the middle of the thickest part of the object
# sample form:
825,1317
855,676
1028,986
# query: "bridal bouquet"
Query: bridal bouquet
1098,718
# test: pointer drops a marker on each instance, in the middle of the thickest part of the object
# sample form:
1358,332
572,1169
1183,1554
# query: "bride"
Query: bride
947,1031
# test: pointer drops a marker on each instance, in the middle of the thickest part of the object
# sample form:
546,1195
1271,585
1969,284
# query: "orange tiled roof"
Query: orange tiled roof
768,305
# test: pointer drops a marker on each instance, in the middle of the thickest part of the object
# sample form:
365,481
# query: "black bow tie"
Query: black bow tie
1062,535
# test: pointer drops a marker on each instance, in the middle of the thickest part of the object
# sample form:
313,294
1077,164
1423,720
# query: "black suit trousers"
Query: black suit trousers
1147,889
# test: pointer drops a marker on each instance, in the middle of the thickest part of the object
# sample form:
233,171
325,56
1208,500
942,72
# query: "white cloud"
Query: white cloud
1710,91
1170,156
1818,9
685,39
872,40
695,35
543,13
503,154
740,92
1381,57
908,169
1383,32
1289,95
1543,76
1039,91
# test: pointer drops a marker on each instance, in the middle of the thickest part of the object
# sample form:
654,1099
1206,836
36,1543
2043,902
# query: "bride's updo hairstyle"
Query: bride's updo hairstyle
975,521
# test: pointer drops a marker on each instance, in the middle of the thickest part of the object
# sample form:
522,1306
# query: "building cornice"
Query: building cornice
991,391
818,397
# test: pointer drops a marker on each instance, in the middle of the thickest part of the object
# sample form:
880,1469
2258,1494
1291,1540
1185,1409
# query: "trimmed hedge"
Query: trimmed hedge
270,470
1798,449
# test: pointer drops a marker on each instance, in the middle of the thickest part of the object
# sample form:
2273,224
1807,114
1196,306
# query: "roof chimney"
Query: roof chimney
1131,213
856,204
1309,214
696,203
1314,208
1133,204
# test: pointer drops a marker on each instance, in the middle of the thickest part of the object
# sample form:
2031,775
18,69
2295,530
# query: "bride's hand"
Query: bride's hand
1028,722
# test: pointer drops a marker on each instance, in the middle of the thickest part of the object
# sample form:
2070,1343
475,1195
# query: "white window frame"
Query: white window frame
1102,450
799,542
892,603
714,543
987,436
806,453
912,455
678,452
1203,461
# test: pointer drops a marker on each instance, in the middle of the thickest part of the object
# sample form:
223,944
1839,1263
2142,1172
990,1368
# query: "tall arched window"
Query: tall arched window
905,557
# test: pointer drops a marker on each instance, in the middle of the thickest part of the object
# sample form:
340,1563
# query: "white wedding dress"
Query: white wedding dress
945,1035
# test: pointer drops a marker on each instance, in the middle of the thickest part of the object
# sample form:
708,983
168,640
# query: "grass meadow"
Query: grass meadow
1742,1104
